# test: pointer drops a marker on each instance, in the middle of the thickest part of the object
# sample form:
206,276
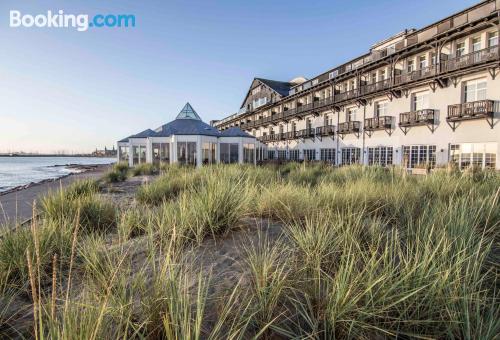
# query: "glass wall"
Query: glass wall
248,153
186,153
124,153
161,153
208,151
481,155
229,153
139,154
327,155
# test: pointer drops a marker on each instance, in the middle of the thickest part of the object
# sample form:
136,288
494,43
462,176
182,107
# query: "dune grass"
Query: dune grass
365,253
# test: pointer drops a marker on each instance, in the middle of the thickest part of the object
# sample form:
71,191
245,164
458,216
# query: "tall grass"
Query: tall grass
365,253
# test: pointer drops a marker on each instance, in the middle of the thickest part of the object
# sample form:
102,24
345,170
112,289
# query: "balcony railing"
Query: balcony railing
419,117
478,57
378,123
304,108
327,130
349,127
323,102
346,95
291,135
305,133
477,109
422,73
374,87
289,112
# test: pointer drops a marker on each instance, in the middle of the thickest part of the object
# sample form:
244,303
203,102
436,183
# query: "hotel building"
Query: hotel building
421,98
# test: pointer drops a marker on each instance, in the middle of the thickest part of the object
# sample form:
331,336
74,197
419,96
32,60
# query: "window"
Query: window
350,156
282,155
381,108
373,77
382,75
208,153
229,153
139,154
476,44
123,153
460,49
327,120
294,155
420,101
271,154
333,74
161,153
308,123
259,102
314,82
327,155
309,154
186,153
391,49
410,65
422,62
380,155
294,126
475,90
351,114
492,39
481,155
433,58
248,153
415,156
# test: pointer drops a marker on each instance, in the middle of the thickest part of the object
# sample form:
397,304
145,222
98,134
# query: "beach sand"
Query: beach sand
16,206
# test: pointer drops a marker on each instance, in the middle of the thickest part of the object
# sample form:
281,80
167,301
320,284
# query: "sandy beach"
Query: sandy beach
16,205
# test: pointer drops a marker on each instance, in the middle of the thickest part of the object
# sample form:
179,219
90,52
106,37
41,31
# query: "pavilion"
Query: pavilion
188,140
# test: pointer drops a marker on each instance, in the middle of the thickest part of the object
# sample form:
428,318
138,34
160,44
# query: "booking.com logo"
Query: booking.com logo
81,22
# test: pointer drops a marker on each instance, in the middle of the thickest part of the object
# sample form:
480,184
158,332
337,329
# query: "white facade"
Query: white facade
423,98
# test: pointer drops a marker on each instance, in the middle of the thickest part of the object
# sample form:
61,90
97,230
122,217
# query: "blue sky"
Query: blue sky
74,91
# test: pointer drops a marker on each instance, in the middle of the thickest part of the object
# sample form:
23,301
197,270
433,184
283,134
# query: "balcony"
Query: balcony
339,97
348,128
471,59
305,133
325,131
374,87
481,109
378,123
422,73
288,113
323,102
417,118
303,109
290,135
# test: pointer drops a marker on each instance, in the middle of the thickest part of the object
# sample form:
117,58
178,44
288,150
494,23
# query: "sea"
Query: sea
20,171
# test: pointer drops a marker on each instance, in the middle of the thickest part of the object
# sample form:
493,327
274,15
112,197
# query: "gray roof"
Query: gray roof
282,87
188,123
184,126
235,132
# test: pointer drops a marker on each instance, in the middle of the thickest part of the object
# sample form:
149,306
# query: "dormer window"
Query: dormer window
333,74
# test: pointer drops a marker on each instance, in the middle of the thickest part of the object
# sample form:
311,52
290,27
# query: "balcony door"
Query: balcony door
351,115
420,101
474,90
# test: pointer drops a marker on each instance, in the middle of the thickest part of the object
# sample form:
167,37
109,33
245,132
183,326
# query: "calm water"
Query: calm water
16,171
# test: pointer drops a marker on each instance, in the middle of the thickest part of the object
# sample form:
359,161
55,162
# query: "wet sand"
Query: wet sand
17,205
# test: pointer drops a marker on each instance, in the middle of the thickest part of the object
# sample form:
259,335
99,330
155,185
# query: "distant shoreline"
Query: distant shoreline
48,155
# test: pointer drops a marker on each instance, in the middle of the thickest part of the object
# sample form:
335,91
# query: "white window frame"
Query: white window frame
475,90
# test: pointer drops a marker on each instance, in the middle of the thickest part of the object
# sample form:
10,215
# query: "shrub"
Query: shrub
145,169
94,213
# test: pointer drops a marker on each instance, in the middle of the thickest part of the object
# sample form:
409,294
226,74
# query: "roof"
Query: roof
144,134
235,132
188,112
188,123
183,126
282,87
